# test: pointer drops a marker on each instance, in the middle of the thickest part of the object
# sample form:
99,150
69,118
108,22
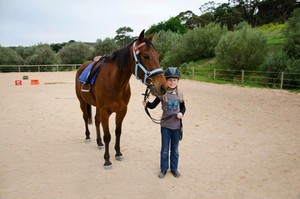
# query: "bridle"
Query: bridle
147,76
138,64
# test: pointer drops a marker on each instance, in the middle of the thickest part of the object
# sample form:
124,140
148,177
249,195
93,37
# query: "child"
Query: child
172,104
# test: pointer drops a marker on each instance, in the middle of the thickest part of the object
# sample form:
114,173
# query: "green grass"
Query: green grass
275,36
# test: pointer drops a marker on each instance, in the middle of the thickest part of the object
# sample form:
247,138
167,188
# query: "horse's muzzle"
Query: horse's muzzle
163,89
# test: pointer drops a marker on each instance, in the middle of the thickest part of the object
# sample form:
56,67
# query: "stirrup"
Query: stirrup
85,90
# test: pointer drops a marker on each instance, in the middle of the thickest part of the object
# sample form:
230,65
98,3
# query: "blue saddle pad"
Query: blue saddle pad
85,74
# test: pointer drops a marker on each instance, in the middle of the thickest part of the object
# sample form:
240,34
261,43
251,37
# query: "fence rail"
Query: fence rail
282,80
38,68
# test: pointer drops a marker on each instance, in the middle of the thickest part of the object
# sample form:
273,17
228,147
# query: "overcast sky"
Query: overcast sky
30,22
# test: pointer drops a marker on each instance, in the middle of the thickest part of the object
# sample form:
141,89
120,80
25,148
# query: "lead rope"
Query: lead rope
157,121
146,96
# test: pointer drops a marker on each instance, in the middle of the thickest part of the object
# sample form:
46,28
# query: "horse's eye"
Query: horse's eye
146,56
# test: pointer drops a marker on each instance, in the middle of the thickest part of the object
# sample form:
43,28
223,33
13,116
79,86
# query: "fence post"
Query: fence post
243,75
281,80
57,68
214,74
19,68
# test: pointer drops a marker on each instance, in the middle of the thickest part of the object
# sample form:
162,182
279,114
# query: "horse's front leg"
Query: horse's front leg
119,119
106,137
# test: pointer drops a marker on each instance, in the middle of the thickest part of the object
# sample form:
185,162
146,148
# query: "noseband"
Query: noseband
138,64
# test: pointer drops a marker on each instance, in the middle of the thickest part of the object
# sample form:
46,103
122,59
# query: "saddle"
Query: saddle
88,76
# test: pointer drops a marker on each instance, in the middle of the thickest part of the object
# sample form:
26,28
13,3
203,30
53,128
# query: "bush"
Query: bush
292,44
200,42
42,54
9,56
280,62
76,52
176,49
243,49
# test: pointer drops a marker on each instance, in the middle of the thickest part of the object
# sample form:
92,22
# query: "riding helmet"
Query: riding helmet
172,72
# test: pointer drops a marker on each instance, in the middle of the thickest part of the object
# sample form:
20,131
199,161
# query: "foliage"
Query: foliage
123,36
77,52
258,12
242,49
276,62
175,48
57,46
166,43
163,42
201,42
227,15
292,45
43,54
106,46
275,36
173,24
9,56
189,19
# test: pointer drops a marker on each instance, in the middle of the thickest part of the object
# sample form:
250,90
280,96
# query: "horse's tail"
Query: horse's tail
89,111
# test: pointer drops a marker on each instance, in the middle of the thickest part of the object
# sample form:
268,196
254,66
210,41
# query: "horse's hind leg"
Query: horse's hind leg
97,123
87,112
104,115
119,119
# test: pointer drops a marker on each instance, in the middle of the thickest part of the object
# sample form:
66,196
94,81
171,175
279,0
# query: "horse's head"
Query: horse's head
147,66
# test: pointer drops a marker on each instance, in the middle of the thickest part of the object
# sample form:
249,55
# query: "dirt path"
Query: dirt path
239,143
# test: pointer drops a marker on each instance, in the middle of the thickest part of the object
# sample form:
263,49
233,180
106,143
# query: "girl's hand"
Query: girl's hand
145,102
179,115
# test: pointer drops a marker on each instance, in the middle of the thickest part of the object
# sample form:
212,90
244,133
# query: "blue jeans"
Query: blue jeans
169,136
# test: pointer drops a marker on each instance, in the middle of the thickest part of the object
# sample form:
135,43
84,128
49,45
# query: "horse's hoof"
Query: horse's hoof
107,165
120,158
100,147
87,141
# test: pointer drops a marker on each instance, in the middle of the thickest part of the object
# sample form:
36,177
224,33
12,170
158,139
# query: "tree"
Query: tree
75,53
42,54
123,36
243,49
9,56
57,46
189,19
227,16
292,44
275,11
107,46
164,42
247,8
174,24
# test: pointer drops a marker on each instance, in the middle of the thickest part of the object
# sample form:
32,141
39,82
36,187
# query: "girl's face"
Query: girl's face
172,82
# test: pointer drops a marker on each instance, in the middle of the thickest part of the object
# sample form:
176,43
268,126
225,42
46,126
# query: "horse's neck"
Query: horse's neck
122,78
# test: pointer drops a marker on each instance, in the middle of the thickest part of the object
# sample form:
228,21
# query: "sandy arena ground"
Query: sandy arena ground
239,143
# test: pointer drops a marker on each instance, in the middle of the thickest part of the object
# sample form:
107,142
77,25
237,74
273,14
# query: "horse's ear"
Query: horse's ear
151,37
142,36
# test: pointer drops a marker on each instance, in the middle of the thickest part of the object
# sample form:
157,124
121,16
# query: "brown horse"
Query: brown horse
111,91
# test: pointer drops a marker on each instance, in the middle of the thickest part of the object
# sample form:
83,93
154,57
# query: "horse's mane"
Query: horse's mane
122,55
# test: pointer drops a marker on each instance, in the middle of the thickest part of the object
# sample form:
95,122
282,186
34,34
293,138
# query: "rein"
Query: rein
156,121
